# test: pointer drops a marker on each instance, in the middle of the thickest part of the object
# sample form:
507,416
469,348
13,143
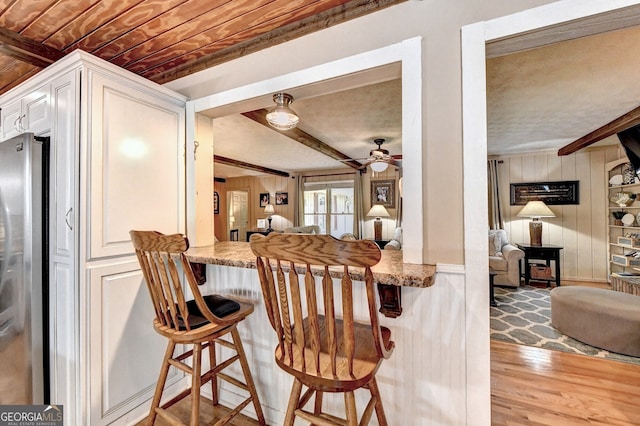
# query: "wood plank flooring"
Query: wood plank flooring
532,386
209,414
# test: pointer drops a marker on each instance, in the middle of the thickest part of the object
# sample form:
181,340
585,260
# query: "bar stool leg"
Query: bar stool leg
164,372
247,375
294,399
350,404
375,392
195,384
214,378
317,408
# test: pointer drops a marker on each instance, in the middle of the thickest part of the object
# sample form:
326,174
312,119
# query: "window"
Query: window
330,206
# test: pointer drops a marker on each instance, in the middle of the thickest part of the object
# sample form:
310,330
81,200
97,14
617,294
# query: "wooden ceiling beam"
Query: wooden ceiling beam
260,116
237,163
26,50
630,119
319,21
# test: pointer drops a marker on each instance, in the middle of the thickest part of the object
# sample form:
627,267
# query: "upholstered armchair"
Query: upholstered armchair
504,259
309,229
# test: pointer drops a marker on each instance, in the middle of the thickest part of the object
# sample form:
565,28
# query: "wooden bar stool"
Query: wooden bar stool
319,341
201,322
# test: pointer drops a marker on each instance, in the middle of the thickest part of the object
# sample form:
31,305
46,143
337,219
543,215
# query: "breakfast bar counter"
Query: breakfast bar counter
389,271
412,298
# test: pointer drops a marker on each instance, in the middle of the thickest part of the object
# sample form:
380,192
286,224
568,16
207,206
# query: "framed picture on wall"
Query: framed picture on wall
282,198
264,199
384,192
552,193
216,203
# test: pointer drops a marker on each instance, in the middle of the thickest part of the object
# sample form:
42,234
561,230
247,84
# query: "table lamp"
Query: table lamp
378,211
535,210
268,209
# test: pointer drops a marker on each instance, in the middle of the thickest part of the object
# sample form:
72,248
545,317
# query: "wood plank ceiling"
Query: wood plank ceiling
158,39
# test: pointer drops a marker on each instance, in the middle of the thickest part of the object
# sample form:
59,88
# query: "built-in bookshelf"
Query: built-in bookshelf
623,232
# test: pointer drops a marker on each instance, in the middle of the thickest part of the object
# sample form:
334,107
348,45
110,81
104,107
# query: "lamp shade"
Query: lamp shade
268,209
378,210
282,117
536,209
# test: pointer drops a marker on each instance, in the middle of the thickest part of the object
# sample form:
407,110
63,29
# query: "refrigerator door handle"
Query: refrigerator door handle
8,244
66,218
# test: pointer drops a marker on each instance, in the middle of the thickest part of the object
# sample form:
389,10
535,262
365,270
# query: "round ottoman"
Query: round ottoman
602,318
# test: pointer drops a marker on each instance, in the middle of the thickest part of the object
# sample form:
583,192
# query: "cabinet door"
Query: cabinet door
125,352
29,114
10,117
64,162
36,111
136,164
63,272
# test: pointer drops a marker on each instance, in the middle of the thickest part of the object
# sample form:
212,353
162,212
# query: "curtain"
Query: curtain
399,199
358,206
496,218
298,207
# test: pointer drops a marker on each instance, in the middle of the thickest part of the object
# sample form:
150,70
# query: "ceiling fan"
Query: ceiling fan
379,158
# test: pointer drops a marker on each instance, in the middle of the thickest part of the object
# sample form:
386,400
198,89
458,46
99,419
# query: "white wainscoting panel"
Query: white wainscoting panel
423,383
125,351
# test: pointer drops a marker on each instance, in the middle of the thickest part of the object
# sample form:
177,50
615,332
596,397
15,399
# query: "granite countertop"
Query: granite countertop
390,270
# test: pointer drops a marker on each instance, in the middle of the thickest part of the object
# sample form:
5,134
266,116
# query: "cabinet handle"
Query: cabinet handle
17,124
66,218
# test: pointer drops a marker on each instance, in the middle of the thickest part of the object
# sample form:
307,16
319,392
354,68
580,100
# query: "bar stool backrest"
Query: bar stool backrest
317,333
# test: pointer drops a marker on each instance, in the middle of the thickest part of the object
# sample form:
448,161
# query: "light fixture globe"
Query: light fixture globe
379,166
282,117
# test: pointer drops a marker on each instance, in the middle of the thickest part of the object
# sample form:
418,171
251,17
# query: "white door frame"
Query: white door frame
474,122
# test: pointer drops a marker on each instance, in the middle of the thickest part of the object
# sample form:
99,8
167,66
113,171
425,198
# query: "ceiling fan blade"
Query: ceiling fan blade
397,157
354,159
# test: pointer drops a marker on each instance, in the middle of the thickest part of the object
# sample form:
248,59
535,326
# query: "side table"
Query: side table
546,252
381,243
257,231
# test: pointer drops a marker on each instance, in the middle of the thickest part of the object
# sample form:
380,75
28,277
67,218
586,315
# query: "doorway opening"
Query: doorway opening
237,214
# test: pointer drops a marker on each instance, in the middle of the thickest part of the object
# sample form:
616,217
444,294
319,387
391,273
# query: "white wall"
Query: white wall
581,229
439,24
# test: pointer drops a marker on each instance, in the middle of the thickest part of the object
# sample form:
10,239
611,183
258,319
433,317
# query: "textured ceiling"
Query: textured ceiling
548,97
538,99
348,121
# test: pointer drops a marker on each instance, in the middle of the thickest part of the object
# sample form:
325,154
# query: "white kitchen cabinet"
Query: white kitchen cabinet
117,163
125,351
31,113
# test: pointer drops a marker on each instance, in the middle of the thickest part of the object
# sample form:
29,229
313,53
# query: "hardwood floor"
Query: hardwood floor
531,386
536,387
208,414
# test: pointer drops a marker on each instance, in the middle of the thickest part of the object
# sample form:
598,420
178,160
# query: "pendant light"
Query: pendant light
282,117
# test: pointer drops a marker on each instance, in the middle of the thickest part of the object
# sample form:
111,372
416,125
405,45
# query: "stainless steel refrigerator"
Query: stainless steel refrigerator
24,191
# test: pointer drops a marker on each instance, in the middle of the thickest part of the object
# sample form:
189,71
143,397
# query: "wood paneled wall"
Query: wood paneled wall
581,229
284,216
255,185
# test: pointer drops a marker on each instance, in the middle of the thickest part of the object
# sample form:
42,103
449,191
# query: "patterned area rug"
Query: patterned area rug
523,316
